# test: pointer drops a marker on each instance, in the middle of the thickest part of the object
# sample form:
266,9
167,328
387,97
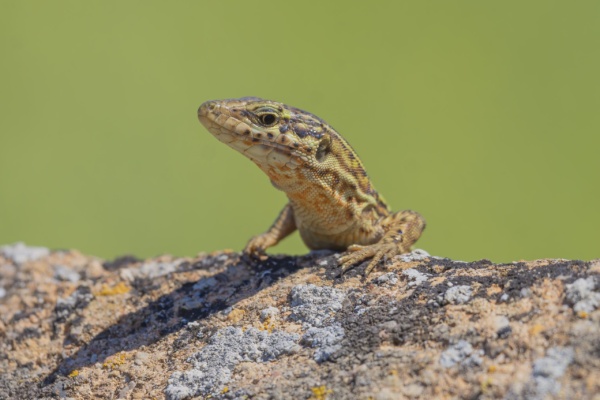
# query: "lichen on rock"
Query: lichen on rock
74,326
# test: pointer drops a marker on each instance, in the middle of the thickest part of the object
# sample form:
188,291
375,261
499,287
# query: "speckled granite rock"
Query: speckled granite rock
73,326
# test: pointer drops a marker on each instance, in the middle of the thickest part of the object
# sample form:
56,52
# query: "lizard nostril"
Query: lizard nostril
209,105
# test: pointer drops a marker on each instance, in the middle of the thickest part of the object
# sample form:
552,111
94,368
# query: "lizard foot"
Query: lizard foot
356,254
255,249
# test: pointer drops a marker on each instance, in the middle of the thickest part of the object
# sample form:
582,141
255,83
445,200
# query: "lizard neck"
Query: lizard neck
332,196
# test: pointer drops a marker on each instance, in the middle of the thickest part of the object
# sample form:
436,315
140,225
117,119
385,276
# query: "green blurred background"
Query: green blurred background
483,116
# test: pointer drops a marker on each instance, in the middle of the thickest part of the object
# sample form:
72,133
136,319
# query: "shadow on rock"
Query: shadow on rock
171,312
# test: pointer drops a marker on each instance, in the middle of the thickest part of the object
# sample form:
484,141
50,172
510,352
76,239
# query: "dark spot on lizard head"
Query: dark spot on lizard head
300,132
255,140
284,128
269,135
247,132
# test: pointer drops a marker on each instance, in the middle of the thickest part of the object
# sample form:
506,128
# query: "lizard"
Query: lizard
332,202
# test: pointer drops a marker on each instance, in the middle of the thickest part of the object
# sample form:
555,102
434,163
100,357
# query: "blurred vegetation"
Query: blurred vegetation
483,116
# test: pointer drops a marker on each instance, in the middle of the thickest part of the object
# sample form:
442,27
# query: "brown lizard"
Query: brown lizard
332,202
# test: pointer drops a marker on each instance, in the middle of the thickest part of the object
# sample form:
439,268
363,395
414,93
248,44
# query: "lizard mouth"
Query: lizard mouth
260,146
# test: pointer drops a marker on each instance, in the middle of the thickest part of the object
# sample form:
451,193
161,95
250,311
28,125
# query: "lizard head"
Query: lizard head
295,148
277,137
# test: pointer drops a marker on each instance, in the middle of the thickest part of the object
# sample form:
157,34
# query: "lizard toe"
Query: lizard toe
375,252
357,255
257,245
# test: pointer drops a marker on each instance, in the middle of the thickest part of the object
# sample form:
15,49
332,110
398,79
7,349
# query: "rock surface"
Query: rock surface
73,326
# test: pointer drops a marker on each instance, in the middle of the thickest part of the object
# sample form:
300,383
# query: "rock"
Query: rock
20,253
213,365
315,305
73,326
458,294
66,274
546,374
460,353
326,340
149,270
391,278
268,313
582,296
415,277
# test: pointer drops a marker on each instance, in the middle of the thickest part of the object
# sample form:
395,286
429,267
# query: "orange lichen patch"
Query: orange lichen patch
583,314
225,390
114,361
475,272
236,315
492,368
592,382
494,289
73,374
119,288
399,265
595,266
267,325
485,384
320,392
536,329
537,263
438,269
436,281
550,290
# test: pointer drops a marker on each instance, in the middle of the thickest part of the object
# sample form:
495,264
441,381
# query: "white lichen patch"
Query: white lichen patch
214,364
21,253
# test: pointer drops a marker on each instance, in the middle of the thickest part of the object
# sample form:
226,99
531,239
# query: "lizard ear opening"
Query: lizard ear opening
324,148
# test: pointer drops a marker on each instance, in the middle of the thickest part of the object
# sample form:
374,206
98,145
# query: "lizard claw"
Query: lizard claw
376,252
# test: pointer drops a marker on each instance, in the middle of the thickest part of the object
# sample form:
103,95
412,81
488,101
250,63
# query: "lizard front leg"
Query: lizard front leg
282,227
402,229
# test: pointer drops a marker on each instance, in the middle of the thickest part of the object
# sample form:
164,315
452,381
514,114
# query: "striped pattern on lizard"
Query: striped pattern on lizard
332,202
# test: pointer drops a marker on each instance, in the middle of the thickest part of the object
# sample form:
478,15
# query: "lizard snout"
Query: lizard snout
206,107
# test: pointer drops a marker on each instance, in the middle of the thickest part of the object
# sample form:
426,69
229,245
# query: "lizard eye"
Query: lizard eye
267,119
